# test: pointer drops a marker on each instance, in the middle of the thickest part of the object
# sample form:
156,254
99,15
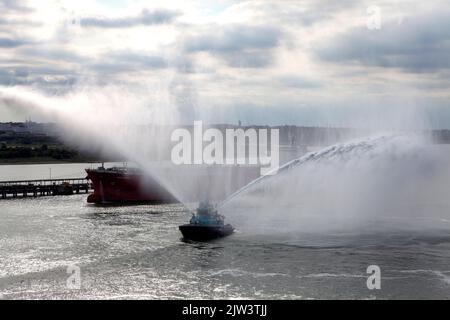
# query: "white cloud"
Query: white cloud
231,54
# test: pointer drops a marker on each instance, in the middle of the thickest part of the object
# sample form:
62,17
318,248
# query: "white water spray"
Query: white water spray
109,121
134,125
396,181
392,181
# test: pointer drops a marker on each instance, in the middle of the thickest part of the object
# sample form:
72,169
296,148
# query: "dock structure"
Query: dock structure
43,187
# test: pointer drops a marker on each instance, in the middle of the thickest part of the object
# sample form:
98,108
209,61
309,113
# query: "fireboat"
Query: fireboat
206,224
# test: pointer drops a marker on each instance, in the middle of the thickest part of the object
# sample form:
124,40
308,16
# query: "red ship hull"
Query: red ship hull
120,185
194,183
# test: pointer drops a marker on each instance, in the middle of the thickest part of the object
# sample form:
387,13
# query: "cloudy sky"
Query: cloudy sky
297,62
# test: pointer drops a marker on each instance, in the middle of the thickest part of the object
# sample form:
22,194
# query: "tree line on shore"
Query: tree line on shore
43,151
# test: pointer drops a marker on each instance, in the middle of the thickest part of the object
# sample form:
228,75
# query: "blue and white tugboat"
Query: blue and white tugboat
206,224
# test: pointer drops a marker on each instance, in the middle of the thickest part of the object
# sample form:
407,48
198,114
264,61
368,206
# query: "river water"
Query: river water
136,252
47,171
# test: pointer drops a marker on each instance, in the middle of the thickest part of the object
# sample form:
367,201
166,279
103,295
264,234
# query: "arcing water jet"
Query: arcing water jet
392,181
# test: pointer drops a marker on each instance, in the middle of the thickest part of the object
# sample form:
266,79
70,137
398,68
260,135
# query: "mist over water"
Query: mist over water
388,182
135,125
109,120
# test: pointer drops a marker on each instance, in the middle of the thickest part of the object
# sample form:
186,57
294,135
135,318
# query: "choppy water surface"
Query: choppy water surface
136,252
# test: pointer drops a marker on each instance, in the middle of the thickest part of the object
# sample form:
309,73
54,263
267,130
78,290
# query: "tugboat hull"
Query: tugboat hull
205,233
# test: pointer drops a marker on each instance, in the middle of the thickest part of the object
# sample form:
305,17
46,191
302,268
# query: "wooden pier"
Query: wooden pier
43,187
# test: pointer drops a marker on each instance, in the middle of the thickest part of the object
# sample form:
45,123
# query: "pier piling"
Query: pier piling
43,187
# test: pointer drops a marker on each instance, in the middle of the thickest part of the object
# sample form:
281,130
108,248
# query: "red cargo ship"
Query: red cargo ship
123,185
120,184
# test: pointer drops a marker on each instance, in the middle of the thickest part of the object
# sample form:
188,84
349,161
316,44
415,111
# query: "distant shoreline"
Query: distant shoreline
50,161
